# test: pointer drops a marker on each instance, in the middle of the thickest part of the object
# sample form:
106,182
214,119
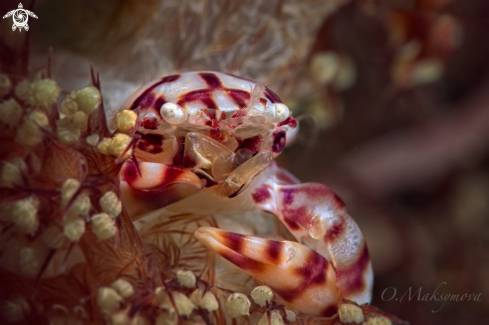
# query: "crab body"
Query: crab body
194,129
206,146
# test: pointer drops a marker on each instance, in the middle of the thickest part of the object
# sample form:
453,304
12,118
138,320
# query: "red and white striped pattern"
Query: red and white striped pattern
195,91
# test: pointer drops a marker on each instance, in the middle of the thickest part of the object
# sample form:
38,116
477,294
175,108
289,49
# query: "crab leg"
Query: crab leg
149,186
312,213
311,210
296,273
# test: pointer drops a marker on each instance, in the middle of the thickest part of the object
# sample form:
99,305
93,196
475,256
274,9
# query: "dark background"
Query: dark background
412,166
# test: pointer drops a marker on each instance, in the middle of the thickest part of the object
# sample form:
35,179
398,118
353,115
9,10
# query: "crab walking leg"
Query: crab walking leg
312,210
297,274
149,186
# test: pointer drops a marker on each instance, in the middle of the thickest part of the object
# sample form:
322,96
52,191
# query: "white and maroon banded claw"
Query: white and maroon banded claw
312,213
148,186
297,274
312,210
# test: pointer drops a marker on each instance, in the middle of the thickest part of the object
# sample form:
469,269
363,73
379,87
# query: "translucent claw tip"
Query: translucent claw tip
239,178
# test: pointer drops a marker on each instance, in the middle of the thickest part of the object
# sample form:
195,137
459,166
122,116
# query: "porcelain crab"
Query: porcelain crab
206,145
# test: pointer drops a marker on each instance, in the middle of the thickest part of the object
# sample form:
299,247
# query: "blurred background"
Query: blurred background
407,149
392,98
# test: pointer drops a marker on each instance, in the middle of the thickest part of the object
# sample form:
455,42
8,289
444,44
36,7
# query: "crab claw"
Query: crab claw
301,277
313,213
148,186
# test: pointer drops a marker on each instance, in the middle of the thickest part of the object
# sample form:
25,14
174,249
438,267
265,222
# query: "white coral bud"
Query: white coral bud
11,175
111,204
69,105
290,315
350,313
126,120
119,144
68,132
123,287
68,189
120,318
261,295
88,99
108,299
22,90
104,146
426,71
103,226
10,112
275,318
93,139
24,215
39,118
80,119
237,305
378,320
207,301
44,92
324,66
182,303
81,205
74,228
186,278
29,133
160,294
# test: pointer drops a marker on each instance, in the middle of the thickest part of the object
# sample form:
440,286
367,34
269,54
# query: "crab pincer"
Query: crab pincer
313,281
148,186
297,274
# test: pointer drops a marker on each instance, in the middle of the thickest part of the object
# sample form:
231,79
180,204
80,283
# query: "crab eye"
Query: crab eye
281,112
173,113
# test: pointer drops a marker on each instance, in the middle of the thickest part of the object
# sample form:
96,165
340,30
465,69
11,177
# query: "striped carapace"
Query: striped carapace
206,145
236,112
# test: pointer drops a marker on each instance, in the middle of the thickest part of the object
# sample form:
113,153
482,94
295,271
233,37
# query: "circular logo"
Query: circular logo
20,18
